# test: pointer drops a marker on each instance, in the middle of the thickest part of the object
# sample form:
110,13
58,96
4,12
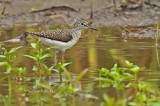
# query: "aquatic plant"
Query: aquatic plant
7,58
117,76
110,101
69,87
39,55
120,78
124,78
157,33
21,70
32,10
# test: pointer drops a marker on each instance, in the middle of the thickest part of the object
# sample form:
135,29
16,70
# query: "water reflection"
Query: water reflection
92,51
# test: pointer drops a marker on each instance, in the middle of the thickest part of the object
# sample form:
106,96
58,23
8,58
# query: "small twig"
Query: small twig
64,8
151,4
91,14
115,6
157,54
3,10
157,32
157,42
7,2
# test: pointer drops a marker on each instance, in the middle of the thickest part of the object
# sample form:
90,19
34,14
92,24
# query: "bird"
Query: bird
61,38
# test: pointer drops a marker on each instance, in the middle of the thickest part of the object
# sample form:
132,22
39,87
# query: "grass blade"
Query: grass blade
67,74
80,76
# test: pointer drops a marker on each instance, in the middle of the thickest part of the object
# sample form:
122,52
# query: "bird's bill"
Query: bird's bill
91,27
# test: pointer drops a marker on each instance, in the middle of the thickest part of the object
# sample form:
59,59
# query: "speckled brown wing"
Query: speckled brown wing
62,35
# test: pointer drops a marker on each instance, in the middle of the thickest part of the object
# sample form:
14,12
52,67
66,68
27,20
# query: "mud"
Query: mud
135,13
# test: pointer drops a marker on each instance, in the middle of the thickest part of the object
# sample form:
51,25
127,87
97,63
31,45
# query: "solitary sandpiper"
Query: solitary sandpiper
61,38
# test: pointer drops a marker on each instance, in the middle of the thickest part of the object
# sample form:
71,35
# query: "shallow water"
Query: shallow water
94,50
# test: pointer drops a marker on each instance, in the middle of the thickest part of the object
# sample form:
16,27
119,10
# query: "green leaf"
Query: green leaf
80,76
49,48
104,79
115,67
65,64
135,69
33,45
115,75
14,49
21,70
103,72
31,57
2,56
37,44
129,63
3,63
53,19
142,97
109,100
46,86
32,10
5,51
45,56
35,68
8,66
35,54
67,74
56,70
48,69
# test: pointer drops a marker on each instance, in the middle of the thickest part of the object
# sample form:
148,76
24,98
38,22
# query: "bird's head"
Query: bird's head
81,23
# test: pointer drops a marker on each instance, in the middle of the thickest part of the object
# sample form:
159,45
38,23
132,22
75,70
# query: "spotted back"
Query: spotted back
63,35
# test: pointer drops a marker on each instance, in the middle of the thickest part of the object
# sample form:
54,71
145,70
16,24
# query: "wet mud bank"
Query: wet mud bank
135,13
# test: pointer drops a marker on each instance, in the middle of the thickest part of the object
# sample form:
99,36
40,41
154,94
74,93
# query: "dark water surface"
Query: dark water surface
94,50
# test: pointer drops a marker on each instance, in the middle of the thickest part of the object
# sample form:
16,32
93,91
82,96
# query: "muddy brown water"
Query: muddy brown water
94,50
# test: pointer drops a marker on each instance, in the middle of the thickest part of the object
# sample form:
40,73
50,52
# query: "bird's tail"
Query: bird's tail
23,38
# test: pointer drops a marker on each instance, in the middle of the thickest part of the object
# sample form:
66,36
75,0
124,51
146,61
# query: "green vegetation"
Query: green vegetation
7,57
39,55
66,85
32,10
123,78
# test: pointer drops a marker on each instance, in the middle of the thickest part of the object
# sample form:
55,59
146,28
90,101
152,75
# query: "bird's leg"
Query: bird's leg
55,57
63,55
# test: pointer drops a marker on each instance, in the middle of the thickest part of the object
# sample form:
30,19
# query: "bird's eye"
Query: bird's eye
82,24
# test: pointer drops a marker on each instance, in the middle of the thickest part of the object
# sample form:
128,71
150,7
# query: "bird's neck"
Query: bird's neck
77,31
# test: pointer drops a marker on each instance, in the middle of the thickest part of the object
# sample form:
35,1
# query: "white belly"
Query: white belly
61,45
